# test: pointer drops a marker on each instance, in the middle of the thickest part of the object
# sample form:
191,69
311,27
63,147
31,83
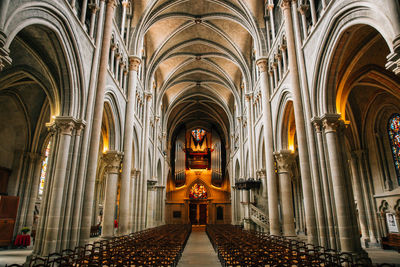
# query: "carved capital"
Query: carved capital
134,63
112,159
148,95
317,123
94,7
284,160
286,4
270,6
303,9
330,122
111,3
79,126
262,64
62,124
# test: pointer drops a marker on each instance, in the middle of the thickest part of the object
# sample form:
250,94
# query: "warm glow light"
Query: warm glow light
291,148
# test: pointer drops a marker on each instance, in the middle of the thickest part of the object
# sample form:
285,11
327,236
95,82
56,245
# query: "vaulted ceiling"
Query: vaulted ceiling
198,53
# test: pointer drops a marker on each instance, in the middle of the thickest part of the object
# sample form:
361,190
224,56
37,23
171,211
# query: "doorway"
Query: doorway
198,213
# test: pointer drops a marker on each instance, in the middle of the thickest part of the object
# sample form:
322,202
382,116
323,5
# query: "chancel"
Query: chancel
208,131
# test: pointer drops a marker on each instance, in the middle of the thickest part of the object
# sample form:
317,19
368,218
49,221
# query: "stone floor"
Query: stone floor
199,252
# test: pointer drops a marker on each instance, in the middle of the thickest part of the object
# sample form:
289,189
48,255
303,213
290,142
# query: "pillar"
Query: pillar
284,160
81,177
348,242
93,9
272,186
366,189
325,184
87,207
250,133
112,160
83,12
132,189
63,127
300,127
128,141
359,198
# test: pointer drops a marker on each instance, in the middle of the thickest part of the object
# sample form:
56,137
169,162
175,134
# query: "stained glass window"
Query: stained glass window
198,191
44,169
394,137
198,134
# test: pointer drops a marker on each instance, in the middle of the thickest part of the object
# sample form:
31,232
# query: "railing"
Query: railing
259,217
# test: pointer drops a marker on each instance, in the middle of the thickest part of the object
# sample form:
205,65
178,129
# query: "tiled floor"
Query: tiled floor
199,252
379,255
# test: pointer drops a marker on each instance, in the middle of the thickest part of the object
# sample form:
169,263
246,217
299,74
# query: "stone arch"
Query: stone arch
346,18
113,113
65,91
285,124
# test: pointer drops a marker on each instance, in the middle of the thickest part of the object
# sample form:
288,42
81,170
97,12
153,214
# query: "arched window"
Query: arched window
394,138
198,191
44,169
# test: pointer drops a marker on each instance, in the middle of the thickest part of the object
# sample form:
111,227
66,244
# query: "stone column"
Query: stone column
124,5
271,19
81,178
69,200
64,127
151,197
97,116
283,50
131,199
359,198
143,188
34,190
313,12
267,30
325,184
263,178
93,8
128,140
364,181
112,159
250,136
300,127
272,186
284,160
303,9
276,78
246,208
348,242
83,12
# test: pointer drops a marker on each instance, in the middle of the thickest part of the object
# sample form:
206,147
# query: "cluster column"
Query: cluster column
348,242
300,126
272,186
112,159
63,126
134,63
284,160
87,206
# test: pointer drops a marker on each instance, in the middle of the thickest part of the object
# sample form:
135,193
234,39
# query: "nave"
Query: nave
211,246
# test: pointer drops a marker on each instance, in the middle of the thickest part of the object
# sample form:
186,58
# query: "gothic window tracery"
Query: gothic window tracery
394,138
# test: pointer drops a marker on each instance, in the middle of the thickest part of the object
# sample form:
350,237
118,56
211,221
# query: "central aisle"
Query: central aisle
199,252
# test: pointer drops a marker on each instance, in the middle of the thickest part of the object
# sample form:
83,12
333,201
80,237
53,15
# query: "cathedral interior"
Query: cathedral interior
275,116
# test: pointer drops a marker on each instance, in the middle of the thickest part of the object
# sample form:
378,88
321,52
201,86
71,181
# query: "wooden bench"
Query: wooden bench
391,241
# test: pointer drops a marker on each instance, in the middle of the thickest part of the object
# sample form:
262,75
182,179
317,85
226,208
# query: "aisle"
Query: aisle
199,252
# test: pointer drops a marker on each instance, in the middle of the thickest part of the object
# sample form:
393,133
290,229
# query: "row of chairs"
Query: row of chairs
159,246
237,247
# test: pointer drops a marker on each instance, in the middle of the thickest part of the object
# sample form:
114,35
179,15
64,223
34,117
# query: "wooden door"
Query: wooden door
203,214
193,213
